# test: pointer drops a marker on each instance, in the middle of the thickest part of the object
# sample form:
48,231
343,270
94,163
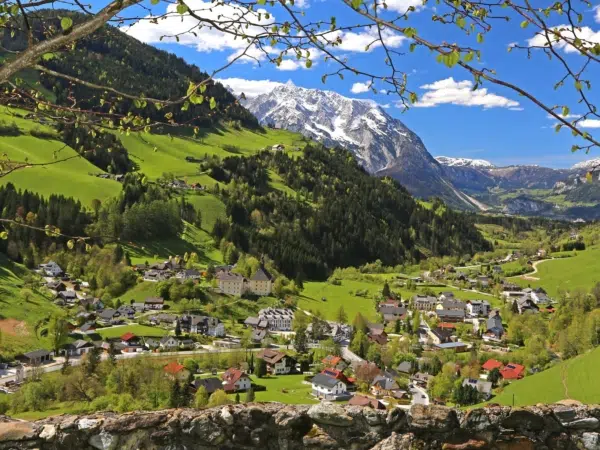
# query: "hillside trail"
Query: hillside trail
563,375
529,276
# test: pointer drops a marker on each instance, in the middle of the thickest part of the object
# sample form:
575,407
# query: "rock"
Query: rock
565,414
226,416
329,414
471,444
104,441
88,424
436,418
317,437
396,442
207,430
476,420
136,421
515,443
590,423
522,419
16,431
374,417
48,432
590,441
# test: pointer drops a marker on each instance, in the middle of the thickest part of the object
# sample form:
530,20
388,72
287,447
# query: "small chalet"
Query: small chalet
131,340
483,387
87,327
176,371
491,364
154,303
385,386
56,286
188,274
68,296
169,343
37,357
405,367
235,380
512,371
278,363
78,348
335,362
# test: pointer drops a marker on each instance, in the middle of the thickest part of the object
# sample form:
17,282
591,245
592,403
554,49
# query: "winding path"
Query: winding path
528,276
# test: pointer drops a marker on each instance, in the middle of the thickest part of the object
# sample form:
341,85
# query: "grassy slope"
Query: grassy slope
296,392
574,379
578,272
138,330
70,178
19,334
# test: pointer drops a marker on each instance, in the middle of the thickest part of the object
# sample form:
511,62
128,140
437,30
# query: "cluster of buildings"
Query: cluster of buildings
173,268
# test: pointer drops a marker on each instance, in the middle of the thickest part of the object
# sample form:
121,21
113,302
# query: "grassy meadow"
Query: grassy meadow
581,271
572,379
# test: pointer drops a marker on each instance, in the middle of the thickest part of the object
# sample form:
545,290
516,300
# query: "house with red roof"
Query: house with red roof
176,370
130,340
513,371
492,364
235,380
337,374
364,401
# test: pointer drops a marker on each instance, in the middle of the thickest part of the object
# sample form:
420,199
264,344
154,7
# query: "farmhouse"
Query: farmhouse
211,384
261,282
231,283
424,302
235,380
154,303
169,343
476,308
364,401
188,274
51,269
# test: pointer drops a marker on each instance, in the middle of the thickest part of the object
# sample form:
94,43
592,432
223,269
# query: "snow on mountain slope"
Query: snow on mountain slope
463,162
361,126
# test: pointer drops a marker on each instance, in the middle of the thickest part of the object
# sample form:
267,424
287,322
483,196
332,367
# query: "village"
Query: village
391,361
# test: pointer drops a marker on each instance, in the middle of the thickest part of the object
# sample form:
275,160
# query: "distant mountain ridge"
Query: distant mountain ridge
463,162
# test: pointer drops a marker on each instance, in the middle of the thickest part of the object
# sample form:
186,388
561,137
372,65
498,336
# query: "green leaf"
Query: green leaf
213,103
48,56
413,97
578,85
4,235
70,244
479,38
88,248
565,111
356,3
181,8
262,2
461,22
66,23
410,32
154,2
469,57
412,47
144,180
308,63
525,24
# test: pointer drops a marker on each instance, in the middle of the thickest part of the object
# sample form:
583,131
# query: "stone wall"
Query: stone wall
277,426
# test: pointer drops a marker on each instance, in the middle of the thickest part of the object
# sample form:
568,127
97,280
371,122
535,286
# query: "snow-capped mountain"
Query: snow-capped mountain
587,165
381,143
362,126
463,162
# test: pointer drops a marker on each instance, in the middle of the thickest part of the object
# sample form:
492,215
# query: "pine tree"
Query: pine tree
261,368
340,315
359,323
250,395
515,307
237,397
177,328
300,340
175,395
92,361
386,290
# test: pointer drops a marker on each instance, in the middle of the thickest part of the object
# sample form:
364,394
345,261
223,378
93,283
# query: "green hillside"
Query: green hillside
70,178
573,379
581,271
21,310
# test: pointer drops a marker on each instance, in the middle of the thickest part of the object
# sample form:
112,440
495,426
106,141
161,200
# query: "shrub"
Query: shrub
9,129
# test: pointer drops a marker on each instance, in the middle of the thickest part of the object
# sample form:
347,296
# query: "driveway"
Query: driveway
420,396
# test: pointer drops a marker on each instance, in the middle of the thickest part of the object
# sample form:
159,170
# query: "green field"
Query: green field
159,154
138,330
573,379
21,319
578,272
288,389
70,178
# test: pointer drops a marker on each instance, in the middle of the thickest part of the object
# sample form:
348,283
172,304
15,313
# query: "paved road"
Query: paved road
420,396
59,361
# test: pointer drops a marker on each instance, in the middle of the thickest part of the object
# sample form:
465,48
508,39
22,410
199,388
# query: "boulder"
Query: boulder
329,414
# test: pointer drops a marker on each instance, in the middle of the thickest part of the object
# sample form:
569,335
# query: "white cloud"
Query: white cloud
567,32
206,39
358,88
362,42
453,92
589,123
251,88
516,108
402,6
598,14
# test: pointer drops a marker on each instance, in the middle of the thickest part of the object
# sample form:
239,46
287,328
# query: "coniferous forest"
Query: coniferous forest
339,217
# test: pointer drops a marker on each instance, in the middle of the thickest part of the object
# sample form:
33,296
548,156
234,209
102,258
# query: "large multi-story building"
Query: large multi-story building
261,283
278,319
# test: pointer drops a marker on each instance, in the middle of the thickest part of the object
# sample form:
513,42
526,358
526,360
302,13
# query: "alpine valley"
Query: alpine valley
386,147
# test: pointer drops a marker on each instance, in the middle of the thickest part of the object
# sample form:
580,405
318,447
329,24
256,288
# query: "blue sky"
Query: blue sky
496,124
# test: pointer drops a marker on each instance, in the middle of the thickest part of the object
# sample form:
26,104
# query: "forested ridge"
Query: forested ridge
340,217
111,58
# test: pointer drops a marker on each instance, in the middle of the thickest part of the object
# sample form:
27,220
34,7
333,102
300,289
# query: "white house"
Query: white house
169,343
328,388
78,348
52,269
236,380
477,308
278,363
